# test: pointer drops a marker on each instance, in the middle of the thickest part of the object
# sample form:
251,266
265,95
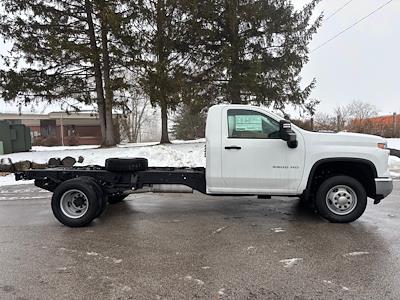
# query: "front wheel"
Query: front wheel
341,199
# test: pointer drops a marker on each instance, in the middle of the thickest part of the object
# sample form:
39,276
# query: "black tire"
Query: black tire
126,164
117,198
345,188
99,192
84,189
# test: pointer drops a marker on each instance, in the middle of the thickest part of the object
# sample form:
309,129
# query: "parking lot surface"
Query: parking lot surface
186,246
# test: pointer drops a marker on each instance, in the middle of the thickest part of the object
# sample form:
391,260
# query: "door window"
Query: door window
248,124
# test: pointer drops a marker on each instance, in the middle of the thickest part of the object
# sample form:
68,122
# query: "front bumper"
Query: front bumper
383,187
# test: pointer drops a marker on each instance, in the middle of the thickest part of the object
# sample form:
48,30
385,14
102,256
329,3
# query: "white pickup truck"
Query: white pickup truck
249,151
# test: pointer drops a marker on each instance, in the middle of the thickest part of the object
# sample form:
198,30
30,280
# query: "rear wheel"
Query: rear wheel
341,199
75,203
99,192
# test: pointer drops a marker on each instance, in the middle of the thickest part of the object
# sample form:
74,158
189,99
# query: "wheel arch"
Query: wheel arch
361,169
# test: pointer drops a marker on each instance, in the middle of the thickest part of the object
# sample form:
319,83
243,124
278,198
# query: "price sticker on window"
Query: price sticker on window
248,123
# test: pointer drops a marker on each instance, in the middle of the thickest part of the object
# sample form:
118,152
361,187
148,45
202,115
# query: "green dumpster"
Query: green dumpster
15,137
5,137
28,139
18,138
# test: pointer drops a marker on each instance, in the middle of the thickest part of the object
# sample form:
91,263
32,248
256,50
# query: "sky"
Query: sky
361,64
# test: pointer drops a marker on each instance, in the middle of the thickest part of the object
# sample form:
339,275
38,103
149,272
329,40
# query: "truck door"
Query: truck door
254,158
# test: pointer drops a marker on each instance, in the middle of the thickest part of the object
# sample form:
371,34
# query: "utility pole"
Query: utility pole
338,123
394,125
62,128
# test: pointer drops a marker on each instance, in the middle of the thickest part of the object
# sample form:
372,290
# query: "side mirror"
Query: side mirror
287,134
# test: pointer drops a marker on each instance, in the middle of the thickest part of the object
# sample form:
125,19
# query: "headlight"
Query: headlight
382,145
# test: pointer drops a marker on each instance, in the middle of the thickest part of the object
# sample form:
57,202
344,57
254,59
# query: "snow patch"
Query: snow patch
197,281
357,253
343,288
290,262
394,166
394,162
278,229
220,229
10,180
393,143
19,198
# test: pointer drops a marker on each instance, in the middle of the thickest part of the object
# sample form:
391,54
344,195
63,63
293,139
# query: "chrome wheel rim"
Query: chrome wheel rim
74,204
341,200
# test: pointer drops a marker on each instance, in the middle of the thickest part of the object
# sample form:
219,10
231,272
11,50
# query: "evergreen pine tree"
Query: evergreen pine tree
252,51
65,50
167,56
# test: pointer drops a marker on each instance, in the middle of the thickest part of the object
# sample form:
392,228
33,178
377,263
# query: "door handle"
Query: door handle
233,147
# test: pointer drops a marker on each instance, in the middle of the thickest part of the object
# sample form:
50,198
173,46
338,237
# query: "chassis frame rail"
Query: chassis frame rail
116,182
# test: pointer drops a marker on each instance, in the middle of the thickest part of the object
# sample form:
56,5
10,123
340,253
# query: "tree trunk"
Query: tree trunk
110,139
232,25
164,125
162,58
97,69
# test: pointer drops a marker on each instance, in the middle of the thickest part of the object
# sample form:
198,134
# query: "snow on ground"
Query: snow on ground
394,162
10,180
178,154
394,143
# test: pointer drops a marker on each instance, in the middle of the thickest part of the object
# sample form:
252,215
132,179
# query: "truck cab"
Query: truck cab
253,151
247,155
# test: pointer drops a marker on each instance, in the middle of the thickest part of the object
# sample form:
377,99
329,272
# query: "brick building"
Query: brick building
59,128
386,126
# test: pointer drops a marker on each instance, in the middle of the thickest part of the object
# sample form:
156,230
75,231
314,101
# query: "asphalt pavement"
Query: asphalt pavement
189,246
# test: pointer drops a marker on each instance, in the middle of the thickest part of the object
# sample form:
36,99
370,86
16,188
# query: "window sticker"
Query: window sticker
248,123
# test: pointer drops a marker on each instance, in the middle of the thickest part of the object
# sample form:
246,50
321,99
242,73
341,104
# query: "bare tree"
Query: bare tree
323,121
360,114
351,117
134,116
342,117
